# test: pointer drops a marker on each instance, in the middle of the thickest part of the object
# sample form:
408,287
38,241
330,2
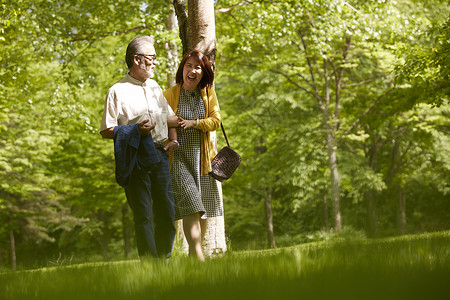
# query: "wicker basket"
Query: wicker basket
225,162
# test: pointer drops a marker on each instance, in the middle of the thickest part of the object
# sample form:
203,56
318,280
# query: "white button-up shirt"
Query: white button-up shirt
130,101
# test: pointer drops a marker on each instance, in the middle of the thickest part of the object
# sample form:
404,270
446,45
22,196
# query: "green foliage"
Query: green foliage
276,62
275,59
425,65
410,267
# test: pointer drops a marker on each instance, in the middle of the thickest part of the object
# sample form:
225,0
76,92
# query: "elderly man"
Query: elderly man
138,118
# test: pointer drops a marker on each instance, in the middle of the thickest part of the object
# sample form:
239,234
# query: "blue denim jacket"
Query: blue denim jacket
131,150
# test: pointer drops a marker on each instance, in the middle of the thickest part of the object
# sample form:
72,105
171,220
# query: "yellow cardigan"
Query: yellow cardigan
210,123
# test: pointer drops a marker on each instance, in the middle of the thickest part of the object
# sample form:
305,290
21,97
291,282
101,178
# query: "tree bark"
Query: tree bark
370,195
269,220
127,230
182,17
335,200
401,216
331,130
394,158
197,29
214,243
104,237
201,31
172,52
326,224
334,172
371,213
12,246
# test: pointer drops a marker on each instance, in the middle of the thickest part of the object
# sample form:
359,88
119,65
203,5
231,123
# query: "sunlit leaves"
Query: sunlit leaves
426,65
280,49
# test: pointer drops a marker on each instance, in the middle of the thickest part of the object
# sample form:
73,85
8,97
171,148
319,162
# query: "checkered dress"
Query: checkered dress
193,193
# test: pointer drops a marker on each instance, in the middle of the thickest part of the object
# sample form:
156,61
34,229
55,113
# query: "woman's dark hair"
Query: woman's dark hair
208,74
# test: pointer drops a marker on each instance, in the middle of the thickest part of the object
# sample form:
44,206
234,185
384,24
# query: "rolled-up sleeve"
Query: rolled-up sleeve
110,111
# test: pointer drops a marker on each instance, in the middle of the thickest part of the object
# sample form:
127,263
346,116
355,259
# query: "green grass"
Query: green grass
409,267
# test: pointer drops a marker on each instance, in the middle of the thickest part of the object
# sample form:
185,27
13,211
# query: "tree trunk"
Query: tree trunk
371,213
214,243
182,17
201,32
172,53
326,225
269,220
104,237
12,244
334,172
332,160
370,195
331,130
401,216
127,230
197,31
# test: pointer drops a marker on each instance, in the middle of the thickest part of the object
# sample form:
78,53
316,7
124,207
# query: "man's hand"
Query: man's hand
185,124
170,147
145,128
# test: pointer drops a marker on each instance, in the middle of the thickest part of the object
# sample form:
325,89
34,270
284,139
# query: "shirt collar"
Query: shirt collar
137,82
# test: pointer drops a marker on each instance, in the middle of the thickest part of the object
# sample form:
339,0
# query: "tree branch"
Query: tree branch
92,39
182,17
305,80
357,11
362,82
367,111
311,69
327,84
338,78
89,38
230,8
316,96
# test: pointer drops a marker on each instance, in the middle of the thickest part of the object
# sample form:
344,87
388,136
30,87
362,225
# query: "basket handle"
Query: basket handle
224,134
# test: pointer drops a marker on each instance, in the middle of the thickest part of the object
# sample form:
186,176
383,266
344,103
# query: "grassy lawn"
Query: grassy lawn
408,267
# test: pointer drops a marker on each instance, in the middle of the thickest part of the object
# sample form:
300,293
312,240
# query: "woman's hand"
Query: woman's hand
185,124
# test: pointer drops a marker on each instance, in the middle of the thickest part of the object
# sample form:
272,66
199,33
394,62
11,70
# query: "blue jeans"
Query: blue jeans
150,197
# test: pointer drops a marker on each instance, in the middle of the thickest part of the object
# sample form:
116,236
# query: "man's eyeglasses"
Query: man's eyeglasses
149,57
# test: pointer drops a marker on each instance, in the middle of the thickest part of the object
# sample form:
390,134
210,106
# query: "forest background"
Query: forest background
339,110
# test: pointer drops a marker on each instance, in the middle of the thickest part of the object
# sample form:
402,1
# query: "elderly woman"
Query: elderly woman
195,103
